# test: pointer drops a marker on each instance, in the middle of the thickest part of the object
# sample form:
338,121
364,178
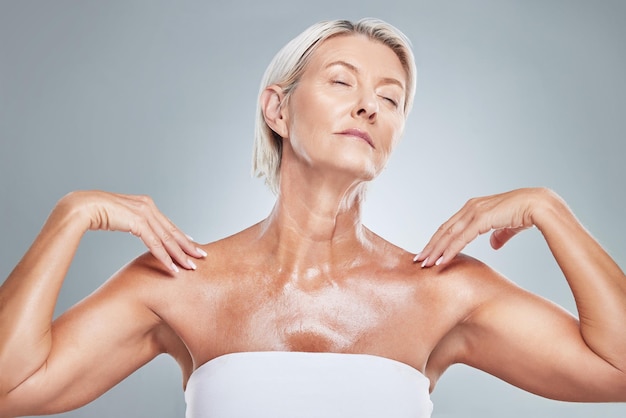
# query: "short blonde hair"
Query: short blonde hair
289,64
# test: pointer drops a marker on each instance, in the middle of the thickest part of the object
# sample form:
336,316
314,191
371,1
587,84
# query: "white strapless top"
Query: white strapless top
279,384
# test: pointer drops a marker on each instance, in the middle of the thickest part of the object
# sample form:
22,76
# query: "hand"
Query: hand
139,216
506,214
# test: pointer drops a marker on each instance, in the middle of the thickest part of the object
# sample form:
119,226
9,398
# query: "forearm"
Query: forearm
597,282
28,296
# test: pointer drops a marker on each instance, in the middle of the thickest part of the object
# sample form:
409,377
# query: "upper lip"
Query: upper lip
359,133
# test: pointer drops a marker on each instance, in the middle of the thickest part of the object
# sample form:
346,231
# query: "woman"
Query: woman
309,296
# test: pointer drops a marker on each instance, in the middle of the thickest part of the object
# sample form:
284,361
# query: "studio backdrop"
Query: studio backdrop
158,98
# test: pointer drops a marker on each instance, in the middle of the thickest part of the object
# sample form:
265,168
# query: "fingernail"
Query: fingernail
191,264
417,256
424,263
439,260
189,237
174,268
201,252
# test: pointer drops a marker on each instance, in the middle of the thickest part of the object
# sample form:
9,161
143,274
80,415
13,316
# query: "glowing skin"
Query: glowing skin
346,113
311,277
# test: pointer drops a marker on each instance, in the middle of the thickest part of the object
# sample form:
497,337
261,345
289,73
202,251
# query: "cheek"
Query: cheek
296,137
303,111
310,120
307,136
395,131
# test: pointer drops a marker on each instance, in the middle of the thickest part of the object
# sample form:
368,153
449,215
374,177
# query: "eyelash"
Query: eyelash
343,83
393,102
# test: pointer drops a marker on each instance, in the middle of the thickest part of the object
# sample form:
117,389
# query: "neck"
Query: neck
316,222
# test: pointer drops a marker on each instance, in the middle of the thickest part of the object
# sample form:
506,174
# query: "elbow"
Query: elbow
6,410
19,396
612,389
19,402
621,388
19,365
7,402
9,382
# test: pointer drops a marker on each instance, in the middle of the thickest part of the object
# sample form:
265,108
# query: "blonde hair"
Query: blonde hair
287,68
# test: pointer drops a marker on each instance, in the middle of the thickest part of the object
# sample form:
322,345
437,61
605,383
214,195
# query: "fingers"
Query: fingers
163,239
499,237
506,214
450,239
140,216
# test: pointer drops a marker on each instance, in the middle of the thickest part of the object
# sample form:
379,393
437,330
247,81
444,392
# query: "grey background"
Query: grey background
158,97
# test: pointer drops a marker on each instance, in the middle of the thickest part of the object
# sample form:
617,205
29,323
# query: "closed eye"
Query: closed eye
343,83
390,100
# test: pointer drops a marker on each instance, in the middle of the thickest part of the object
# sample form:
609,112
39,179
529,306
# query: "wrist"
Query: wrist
547,206
71,211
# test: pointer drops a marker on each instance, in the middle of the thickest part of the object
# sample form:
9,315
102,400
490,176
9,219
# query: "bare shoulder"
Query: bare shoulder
148,290
142,280
237,256
146,281
465,280
472,279
101,340
457,290
148,276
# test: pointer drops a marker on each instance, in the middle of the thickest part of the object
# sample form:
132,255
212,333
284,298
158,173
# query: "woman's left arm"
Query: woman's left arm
597,282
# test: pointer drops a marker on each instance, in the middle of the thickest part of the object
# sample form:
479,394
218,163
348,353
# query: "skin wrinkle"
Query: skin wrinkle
382,82
363,314
320,81
311,277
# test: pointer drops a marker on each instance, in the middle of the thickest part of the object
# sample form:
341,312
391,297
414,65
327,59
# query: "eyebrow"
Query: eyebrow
353,68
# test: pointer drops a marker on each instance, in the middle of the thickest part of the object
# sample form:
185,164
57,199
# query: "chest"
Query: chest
386,316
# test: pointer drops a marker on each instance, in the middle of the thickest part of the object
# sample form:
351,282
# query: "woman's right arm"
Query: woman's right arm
102,339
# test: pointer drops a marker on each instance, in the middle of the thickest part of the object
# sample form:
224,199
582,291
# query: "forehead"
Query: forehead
366,54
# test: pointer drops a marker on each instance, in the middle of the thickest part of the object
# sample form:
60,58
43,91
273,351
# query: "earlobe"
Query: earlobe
273,111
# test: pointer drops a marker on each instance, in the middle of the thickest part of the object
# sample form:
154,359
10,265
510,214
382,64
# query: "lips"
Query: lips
359,134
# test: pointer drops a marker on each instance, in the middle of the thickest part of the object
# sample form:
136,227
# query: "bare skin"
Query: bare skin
311,277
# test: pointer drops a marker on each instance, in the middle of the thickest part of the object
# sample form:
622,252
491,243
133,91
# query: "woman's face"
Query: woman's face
347,111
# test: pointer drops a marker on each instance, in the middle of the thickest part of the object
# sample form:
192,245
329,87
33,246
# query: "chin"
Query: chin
349,162
363,169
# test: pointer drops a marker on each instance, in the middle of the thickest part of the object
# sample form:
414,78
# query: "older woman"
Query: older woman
309,313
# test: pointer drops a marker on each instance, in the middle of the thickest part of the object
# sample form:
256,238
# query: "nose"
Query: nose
367,106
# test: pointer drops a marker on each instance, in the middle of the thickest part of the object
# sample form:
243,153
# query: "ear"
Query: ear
274,113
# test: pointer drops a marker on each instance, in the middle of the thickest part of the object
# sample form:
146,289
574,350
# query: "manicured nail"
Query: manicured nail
416,257
439,260
189,237
174,268
424,263
191,264
201,252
